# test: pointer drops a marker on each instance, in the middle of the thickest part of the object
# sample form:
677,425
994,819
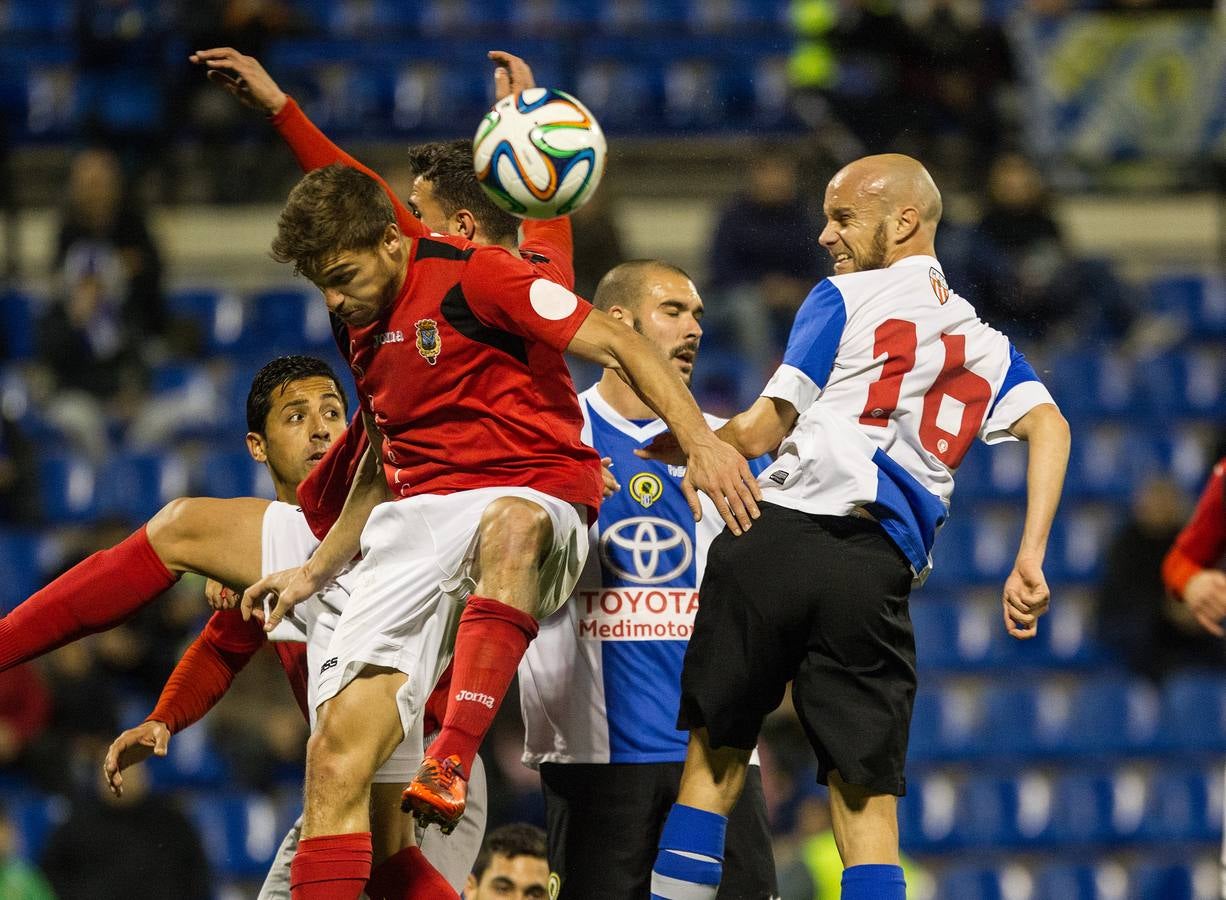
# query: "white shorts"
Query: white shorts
407,592
287,542
453,855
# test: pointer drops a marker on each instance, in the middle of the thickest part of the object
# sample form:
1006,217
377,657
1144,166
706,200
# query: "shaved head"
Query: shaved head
629,283
880,209
895,181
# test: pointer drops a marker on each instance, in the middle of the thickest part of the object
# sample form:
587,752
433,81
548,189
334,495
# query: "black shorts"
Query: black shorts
604,823
820,601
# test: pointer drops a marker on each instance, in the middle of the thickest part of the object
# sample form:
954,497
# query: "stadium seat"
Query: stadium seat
282,321
135,486
1161,879
192,761
946,724
1109,714
1192,383
1070,881
68,489
234,473
1198,301
980,882
1194,711
20,566
240,833
18,324
219,314
935,622
1097,384
34,817
1079,541
1183,804
1079,811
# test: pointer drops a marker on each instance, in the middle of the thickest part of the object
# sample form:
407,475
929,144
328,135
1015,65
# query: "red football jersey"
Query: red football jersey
466,381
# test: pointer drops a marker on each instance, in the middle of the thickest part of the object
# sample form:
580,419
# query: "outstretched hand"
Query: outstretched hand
511,74
134,746
242,77
1026,597
288,588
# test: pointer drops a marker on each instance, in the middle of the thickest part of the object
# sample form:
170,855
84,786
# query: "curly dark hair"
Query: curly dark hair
277,375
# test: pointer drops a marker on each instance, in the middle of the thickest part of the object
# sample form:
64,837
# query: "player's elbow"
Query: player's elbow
1044,423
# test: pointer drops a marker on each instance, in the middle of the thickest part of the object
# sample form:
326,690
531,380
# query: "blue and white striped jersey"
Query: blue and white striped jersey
602,681
893,376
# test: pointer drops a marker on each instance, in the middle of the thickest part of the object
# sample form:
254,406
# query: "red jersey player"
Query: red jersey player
1191,568
474,424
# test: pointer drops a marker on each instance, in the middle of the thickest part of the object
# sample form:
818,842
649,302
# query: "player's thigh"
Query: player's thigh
220,539
604,823
860,662
358,728
749,859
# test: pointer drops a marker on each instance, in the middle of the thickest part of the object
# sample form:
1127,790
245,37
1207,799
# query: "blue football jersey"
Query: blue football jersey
602,681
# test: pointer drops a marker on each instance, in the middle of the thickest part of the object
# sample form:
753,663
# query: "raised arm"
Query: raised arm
1026,595
342,543
245,79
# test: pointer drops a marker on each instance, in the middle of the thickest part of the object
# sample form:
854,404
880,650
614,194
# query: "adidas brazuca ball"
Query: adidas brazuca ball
539,154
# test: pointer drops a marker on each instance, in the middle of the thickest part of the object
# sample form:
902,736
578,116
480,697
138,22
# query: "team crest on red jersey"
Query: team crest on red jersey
429,344
939,286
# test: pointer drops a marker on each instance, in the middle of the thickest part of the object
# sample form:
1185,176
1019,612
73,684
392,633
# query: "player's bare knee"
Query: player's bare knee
328,761
514,531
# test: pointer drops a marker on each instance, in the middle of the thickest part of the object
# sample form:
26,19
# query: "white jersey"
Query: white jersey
601,683
893,376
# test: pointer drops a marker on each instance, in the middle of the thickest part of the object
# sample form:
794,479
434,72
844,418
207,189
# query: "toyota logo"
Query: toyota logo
634,549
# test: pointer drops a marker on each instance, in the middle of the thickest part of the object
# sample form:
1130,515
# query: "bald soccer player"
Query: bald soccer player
888,378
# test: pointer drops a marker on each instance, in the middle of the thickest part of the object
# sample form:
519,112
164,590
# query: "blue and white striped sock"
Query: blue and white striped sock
691,856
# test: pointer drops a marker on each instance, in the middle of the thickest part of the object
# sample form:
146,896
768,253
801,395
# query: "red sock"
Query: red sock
330,867
94,595
489,644
408,876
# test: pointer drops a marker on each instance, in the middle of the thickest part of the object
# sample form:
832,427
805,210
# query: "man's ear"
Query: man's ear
257,447
390,242
464,223
907,224
621,314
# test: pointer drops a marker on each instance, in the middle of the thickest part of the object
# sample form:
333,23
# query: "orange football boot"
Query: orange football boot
438,793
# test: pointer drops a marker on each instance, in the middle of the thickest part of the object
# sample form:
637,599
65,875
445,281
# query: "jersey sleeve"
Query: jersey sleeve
812,346
1202,541
506,292
322,494
549,247
1020,392
207,669
314,150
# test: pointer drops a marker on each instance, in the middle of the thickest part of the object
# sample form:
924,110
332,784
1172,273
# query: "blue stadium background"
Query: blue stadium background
1049,769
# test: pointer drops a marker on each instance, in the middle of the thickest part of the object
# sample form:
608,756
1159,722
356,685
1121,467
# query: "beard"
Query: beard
686,377
874,258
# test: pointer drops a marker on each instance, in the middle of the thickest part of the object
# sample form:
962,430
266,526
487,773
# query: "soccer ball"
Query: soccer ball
539,154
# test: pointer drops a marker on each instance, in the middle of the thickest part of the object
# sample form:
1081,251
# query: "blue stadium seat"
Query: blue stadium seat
1194,711
240,833
1080,811
946,724
68,489
1079,542
1161,879
281,321
1096,385
36,18
35,817
927,815
1108,714
1183,804
1066,881
234,474
1198,301
970,882
219,314
192,761
174,376
135,486
18,324
20,567
1106,462
935,622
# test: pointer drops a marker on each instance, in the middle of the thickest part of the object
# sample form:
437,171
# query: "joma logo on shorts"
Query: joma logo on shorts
331,663
484,699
